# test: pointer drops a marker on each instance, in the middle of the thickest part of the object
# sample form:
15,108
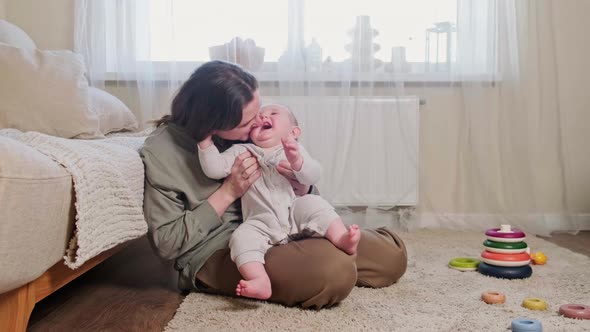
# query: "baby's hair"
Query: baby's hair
292,117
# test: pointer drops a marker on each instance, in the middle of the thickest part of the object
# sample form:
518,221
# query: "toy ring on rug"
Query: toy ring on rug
534,303
509,272
526,325
505,248
578,311
498,259
464,264
493,297
505,234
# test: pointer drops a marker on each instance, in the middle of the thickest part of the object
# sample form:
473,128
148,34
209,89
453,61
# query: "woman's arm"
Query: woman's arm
174,229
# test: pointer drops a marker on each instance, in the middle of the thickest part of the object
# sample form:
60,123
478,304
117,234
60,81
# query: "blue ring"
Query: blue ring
526,325
506,272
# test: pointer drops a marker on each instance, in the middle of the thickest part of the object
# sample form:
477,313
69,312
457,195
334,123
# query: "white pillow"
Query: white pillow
45,91
113,114
12,35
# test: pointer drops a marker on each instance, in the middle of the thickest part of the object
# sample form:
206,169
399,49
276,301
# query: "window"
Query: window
410,36
374,40
195,26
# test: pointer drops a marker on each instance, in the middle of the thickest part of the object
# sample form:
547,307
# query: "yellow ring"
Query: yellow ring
533,303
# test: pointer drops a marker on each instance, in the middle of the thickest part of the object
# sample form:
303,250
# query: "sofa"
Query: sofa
46,103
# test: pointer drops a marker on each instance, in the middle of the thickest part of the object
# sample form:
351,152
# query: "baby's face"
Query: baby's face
275,124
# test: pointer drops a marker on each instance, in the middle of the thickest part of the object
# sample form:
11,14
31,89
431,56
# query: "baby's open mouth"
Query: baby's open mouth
266,125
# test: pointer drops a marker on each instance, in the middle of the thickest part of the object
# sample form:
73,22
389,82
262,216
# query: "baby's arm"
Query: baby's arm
214,164
307,170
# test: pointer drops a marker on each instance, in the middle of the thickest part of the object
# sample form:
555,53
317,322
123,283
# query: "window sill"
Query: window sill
268,74
334,78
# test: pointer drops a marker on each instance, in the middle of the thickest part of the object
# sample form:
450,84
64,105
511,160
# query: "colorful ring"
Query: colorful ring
518,272
505,251
507,240
493,297
578,311
464,264
534,303
499,259
506,257
504,247
513,234
526,325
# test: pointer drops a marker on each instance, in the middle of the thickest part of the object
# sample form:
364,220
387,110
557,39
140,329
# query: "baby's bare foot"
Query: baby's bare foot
350,241
256,288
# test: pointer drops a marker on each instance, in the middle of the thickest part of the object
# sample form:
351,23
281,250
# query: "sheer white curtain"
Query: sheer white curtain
116,39
509,161
488,146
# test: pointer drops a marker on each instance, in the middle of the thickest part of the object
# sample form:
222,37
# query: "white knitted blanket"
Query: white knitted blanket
108,177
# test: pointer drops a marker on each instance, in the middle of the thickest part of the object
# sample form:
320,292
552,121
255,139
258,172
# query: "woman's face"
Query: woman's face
250,119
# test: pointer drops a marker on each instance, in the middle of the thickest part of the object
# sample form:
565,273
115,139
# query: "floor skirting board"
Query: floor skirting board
541,224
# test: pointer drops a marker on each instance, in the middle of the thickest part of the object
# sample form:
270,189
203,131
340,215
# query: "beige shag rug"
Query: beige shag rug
429,297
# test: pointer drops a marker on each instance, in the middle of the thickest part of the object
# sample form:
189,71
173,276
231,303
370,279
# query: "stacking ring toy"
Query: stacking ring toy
508,272
505,248
464,264
493,297
578,311
526,325
533,303
498,259
505,234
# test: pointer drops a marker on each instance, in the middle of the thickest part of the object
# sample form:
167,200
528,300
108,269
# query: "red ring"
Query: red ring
514,234
523,256
578,311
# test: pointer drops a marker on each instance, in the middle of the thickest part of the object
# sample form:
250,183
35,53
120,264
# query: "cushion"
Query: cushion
12,35
45,91
113,114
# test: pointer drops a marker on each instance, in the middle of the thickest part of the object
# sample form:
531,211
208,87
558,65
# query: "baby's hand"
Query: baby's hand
292,152
207,142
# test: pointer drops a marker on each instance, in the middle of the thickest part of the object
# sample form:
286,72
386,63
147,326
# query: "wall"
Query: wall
574,70
51,25
442,114
2,9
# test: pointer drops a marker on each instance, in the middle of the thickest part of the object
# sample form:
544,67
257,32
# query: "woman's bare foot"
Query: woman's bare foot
349,242
258,288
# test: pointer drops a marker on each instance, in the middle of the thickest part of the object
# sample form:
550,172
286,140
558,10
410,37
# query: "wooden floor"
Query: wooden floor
134,291
131,291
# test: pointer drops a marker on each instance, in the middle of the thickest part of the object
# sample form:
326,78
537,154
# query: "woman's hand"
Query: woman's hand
286,170
244,172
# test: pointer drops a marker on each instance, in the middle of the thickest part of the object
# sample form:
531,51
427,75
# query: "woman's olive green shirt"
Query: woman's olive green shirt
182,225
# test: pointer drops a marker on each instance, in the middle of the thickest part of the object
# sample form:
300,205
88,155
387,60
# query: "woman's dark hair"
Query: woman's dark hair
212,99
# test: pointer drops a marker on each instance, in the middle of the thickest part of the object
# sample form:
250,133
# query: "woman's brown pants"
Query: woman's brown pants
312,272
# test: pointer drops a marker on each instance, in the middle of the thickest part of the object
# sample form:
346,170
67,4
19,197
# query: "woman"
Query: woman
191,217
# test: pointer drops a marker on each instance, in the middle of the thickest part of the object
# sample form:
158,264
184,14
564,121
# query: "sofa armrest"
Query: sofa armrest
36,213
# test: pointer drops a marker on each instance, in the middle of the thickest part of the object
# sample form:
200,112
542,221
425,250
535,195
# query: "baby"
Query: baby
272,213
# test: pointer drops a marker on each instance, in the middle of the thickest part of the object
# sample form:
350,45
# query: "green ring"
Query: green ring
464,262
505,245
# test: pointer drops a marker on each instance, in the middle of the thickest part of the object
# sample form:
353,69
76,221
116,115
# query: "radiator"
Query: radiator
368,147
